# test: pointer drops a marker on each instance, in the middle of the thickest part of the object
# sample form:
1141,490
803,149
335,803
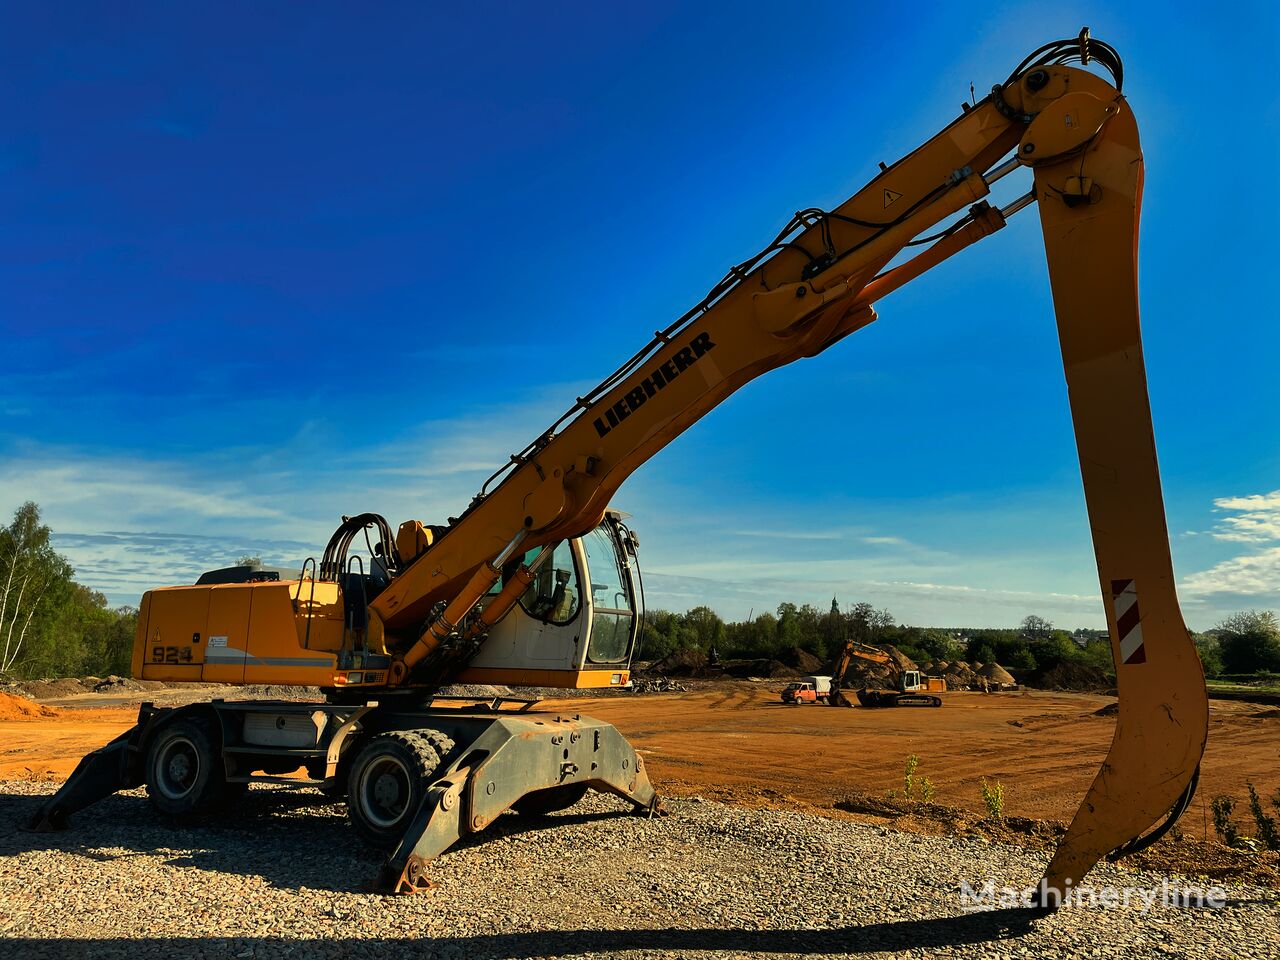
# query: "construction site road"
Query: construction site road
736,742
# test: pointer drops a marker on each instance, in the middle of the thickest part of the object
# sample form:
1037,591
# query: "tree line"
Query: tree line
1244,643
50,625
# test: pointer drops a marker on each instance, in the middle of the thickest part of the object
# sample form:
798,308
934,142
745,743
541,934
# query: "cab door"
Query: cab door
613,597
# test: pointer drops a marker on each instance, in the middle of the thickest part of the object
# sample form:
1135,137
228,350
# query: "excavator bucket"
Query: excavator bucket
1089,208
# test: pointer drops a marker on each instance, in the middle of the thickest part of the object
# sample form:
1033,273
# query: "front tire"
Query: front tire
388,781
185,774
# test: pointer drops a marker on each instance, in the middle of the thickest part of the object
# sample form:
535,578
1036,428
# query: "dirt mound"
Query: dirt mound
114,684
778,669
681,663
1071,676
900,659
960,677
802,660
996,674
20,708
767,669
50,689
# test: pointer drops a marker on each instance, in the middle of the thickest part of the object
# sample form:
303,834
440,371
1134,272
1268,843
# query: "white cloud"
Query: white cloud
1253,575
112,491
1257,518
1256,521
280,501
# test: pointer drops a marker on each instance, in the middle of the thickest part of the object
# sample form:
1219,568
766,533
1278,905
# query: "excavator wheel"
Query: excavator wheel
551,800
184,770
388,779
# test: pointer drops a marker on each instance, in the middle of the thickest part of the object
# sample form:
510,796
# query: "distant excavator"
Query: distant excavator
911,687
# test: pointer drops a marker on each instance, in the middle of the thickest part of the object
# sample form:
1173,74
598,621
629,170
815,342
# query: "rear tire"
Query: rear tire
551,800
388,781
185,773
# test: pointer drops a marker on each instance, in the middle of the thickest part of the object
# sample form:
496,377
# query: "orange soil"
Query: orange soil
20,708
737,743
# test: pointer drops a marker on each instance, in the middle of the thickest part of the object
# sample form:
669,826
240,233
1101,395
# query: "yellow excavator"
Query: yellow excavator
537,581
912,688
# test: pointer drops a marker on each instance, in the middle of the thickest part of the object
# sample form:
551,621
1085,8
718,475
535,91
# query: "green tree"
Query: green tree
31,572
1097,653
704,628
880,621
860,622
1210,653
1036,627
983,653
1250,641
788,632
1021,658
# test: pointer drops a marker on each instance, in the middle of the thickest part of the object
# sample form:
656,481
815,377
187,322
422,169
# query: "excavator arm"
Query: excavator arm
814,285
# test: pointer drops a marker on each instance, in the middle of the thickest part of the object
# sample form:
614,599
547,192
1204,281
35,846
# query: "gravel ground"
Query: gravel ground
286,877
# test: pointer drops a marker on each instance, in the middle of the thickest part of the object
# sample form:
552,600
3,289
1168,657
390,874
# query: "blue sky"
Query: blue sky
263,265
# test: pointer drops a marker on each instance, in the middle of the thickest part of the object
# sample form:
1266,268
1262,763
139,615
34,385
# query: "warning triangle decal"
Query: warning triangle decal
890,196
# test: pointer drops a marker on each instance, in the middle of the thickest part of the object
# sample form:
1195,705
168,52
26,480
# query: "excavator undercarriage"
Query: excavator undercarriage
416,778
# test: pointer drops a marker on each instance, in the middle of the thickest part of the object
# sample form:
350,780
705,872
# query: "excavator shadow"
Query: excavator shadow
892,937
246,840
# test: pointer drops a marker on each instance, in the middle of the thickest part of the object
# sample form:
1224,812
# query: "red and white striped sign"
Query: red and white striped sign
1124,596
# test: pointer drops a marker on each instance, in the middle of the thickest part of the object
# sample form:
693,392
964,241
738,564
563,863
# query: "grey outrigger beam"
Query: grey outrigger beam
514,757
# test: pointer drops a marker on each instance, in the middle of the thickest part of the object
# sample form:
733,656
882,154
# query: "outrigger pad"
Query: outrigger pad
513,757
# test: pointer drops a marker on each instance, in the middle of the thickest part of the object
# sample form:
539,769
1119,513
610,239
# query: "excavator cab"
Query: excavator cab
576,624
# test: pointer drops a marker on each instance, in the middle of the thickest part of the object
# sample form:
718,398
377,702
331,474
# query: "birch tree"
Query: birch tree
29,567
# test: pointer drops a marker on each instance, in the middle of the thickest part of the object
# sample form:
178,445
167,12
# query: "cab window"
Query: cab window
553,596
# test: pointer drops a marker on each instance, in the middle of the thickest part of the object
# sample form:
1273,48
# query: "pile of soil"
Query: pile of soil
802,660
51,689
681,663
767,669
114,684
996,674
900,659
960,677
1066,675
20,708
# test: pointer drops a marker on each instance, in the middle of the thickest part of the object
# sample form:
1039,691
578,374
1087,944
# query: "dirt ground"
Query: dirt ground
736,742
